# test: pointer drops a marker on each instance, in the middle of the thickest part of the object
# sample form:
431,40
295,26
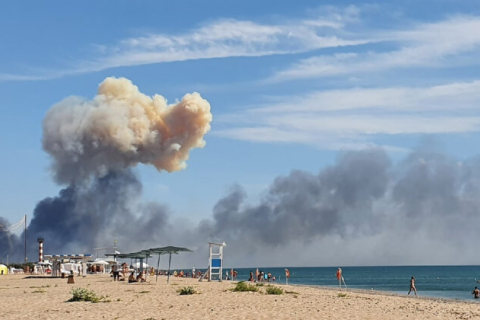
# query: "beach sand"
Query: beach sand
46,298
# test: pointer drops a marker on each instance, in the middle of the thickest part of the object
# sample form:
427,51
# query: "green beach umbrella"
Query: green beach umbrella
167,250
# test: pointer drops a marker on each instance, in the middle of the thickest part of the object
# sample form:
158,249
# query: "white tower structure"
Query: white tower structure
40,249
215,260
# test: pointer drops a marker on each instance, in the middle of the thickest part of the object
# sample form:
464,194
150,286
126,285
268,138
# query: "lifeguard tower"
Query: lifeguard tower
215,269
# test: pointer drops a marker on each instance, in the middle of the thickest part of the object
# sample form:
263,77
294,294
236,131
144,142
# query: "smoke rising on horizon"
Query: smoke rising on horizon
120,128
93,145
362,210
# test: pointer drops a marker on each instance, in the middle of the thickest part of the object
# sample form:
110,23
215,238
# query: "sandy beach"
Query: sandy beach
46,298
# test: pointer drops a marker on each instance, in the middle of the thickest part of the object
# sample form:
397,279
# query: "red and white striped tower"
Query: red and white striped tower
40,249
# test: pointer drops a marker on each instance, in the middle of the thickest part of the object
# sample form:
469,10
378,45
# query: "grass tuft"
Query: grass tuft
341,295
242,286
273,290
82,294
186,291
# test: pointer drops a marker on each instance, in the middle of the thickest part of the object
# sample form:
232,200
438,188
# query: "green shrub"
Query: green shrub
242,287
259,284
186,291
82,294
273,290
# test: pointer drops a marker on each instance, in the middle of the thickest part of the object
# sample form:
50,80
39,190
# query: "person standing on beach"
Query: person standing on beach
412,286
476,293
116,273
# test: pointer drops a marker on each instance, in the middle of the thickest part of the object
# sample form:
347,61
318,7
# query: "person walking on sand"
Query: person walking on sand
412,286
476,293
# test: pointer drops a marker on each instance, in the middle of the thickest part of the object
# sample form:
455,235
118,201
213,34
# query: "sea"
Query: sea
449,282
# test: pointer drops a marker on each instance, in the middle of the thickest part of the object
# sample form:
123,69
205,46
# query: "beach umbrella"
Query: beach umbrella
168,250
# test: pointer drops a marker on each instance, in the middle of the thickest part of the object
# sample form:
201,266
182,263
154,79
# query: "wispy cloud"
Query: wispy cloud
460,96
344,118
15,77
427,45
220,39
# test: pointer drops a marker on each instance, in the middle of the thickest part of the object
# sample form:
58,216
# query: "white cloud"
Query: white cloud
427,45
229,38
15,77
352,117
460,96
220,39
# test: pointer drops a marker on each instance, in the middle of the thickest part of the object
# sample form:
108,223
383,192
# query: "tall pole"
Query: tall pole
158,267
169,262
25,238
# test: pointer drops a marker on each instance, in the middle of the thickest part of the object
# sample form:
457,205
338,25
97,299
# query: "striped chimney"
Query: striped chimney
40,249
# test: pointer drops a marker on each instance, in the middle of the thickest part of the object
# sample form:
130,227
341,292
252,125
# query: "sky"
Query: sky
307,98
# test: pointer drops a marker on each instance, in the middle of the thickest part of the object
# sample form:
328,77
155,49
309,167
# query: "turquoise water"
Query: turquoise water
452,282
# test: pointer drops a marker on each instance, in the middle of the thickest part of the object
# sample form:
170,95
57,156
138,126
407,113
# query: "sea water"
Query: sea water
451,282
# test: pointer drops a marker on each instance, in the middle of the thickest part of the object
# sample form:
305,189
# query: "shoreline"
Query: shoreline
390,293
46,298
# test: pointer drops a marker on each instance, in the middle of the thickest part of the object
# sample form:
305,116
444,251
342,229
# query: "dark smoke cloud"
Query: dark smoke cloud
304,206
93,144
9,243
364,209
83,217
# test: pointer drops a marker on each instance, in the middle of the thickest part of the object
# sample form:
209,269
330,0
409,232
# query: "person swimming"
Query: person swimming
476,293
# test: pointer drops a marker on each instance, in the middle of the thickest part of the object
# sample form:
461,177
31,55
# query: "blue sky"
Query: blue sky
291,83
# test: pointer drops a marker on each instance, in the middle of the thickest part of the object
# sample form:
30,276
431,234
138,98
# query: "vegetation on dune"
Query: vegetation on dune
186,291
273,290
82,294
242,286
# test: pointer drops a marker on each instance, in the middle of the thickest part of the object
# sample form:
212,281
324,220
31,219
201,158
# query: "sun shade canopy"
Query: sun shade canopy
169,249
135,255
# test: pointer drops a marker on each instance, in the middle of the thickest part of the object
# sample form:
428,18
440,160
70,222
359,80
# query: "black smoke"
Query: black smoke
364,209
83,217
